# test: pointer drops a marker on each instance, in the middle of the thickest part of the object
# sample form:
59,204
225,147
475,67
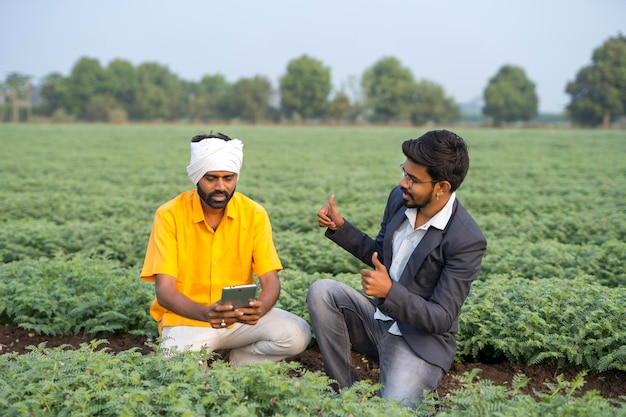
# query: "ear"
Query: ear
444,186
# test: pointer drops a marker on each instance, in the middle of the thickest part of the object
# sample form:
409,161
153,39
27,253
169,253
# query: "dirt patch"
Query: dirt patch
610,384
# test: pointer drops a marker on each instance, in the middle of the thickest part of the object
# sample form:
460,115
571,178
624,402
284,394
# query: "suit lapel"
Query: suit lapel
430,241
393,224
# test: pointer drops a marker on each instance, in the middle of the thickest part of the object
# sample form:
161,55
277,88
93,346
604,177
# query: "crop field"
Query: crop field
76,208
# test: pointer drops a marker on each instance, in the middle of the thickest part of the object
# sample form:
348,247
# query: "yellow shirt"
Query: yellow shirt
203,260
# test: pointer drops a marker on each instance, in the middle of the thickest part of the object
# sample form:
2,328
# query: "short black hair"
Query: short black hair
217,135
443,153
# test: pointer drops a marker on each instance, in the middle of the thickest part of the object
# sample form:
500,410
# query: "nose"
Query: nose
220,184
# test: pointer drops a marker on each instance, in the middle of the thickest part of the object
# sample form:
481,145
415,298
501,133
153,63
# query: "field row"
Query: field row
78,202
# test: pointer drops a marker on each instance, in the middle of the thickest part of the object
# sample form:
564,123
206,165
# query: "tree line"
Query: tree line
386,92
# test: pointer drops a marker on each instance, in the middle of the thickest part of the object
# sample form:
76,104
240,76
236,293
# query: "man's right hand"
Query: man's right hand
223,315
329,216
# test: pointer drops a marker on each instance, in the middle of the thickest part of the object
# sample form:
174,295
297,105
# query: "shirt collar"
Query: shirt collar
439,220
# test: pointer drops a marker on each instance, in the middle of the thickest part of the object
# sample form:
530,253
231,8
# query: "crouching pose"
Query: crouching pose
424,259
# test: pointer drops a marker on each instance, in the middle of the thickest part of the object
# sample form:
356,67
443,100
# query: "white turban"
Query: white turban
214,155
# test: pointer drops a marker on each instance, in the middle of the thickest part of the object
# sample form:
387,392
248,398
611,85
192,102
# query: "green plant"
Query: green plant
90,381
478,397
564,321
75,294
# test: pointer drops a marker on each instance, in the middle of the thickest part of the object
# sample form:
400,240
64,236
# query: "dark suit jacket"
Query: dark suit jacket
427,300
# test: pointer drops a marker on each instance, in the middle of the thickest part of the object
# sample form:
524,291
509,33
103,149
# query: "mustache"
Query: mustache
213,193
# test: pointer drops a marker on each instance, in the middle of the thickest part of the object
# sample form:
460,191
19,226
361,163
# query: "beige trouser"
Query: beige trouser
276,336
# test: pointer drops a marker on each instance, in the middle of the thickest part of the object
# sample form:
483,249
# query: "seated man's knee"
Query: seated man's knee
292,333
318,290
302,337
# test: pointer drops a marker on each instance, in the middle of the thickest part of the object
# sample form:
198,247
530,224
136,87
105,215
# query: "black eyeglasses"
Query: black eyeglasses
412,180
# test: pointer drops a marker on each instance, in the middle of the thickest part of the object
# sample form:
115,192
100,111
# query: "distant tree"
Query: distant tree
86,79
161,94
304,89
510,96
249,99
103,107
179,107
53,94
339,106
432,105
208,97
599,92
121,83
389,89
18,89
151,103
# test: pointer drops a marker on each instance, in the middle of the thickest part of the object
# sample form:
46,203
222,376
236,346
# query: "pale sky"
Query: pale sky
458,44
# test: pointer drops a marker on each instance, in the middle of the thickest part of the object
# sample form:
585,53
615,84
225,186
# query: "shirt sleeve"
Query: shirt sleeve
162,248
264,256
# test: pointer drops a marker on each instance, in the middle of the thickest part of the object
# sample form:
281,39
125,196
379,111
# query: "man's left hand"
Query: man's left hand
251,314
376,283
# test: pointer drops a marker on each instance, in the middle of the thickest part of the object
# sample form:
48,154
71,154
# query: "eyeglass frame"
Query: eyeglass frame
412,180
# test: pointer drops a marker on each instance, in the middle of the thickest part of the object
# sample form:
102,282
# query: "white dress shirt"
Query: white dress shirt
405,240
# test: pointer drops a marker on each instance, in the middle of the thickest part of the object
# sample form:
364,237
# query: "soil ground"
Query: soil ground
610,384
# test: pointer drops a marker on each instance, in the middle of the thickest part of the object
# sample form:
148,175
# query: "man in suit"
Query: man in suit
425,257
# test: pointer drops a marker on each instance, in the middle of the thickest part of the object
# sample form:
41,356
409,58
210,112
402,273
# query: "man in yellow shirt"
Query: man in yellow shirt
209,238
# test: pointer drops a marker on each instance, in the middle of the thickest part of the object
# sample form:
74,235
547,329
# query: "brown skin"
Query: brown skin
429,198
173,300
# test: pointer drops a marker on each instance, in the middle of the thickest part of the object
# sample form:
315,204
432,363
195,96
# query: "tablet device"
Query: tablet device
238,295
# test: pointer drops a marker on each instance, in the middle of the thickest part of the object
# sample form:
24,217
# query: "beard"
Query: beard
417,204
209,198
